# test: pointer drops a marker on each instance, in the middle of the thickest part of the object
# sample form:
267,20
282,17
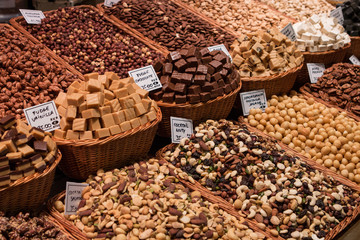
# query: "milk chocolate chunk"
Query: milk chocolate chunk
168,68
224,73
202,69
207,87
221,57
176,77
180,64
206,60
194,89
191,70
4,180
180,88
216,65
10,134
199,79
186,78
157,66
191,52
180,99
40,146
227,66
192,62
183,52
168,97
216,77
157,95
193,98
7,119
227,88
215,52
214,93
205,96
164,79
168,87
15,175
221,83
204,52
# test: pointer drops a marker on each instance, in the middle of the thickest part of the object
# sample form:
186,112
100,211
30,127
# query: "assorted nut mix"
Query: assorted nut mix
323,134
264,54
168,24
89,42
339,85
351,13
263,181
242,16
145,201
22,226
28,75
195,75
102,106
24,150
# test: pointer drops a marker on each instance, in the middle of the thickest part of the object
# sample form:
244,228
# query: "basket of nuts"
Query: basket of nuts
106,122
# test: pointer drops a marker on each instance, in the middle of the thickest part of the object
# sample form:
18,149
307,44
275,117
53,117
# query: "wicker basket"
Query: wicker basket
28,193
85,157
217,108
354,49
328,58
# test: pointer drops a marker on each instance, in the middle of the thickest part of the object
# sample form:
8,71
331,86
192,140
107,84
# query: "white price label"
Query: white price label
337,13
7,4
180,128
175,55
44,116
220,47
315,70
32,16
146,78
289,31
73,196
253,99
110,3
354,60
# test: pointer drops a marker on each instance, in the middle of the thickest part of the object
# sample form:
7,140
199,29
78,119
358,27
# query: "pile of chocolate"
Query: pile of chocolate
351,13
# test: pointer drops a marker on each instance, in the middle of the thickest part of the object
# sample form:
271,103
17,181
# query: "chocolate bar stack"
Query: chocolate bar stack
193,75
351,13
24,150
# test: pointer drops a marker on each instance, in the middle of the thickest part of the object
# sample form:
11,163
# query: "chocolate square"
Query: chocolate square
221,57
208,77
168,87
211,70
10,134
216,77
193,98
180,99
194,89
202,69
204,52
227,88
192,62
227,66
168,97
164,79
176,77
224,73
205,96
214,93
167,69
156,95
215,52
207,87
180,88
186,78
7,119
206,60
190,70
180,65
214,85
216,65
191,52
234,84
199,79
40,146
158,66
183,52
220,91
221,83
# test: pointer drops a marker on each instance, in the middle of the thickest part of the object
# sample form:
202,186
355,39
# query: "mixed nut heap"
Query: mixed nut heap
22,226
89,42
262,181
168,24
28,75
145,201
339,85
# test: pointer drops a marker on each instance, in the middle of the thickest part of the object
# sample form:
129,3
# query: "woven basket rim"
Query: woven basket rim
36,175
348,45
355,37
92,142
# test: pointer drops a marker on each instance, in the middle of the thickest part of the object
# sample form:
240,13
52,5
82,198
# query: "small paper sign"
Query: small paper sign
146,78
110,3
44,116
354,60
337,13
73,196
289,31
7,4
220,47
180,128
253,99
32,16
315,70
175,55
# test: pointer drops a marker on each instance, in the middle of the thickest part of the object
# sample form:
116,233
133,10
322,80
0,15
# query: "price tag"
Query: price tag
253,99
32,16
289,31
146,78
180,128
44,116
315,70
175,55
73,196
337,13
220,47
7,4
354,60
110,3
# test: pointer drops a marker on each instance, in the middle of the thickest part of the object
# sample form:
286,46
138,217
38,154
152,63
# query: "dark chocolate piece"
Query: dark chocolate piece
221,83
179,99
214,93
207,87
202,69
168,97
164,79
10,134
227,88
216,65
193,98
168,68
205,96
190,70
40,146
204,52
194,89
180,64
192,62
180,88
199,79
158,66
157,95
186,78
176,77
7,119
206,60
216,77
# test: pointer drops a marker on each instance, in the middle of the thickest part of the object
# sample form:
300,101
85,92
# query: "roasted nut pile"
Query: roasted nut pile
24,150
168,24
351,13
145,201
339,85
28,76
263,181
90,43
195,75
300,10
265,53
23,226
243,16
318,132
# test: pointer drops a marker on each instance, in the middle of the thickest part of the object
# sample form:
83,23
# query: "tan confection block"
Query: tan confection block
70,134
105,110
277,39
79,124
119,116
236,50
135,86
130,87
245,46
297,53
75,99
259,68
92,100
246,54
125,126
101,98
102,133
14,155
299,61
65,125
143,119
126,102
90,113
93,75
116,84
128,80
120,93
86,135
129,114
60,99
94,124
115,129
26,150
82,107
83,86
154,105
115,105
109,95
3,148
273,54
59,133
76,84
254,60
61,111
136,97
257,49
280,49
139,109
22,130
104,80
142,93
71,112
265,57
238,60
21,123
151,116
147,104
51,144
107,120
274,63
266,37
20,141
112,76
135,123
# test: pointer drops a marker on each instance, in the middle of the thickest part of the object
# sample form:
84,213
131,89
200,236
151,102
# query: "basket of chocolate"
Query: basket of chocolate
196,84
28,159
106,122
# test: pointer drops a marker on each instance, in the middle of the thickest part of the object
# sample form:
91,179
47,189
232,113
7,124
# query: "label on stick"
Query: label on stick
337,13
110,3
180,128
44,116
73,196
220,47
253,99
289,31
315,70
354,60
32,16
146,78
